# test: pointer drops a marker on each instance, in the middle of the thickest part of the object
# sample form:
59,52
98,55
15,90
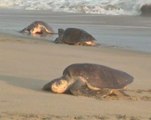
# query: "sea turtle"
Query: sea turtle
95,77
38,28
75,36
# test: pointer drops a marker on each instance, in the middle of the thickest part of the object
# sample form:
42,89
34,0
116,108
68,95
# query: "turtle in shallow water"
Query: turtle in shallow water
38,28
75,36
78,78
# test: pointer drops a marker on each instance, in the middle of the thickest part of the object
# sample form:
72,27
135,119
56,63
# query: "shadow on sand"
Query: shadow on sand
28,83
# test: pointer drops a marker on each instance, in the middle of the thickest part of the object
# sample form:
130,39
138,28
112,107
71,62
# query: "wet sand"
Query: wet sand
27,64
129,32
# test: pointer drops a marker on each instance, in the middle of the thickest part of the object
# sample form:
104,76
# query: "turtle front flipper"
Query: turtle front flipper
25,30
77,86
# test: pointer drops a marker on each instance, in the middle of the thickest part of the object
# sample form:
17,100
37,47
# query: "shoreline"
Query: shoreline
50,40
130,32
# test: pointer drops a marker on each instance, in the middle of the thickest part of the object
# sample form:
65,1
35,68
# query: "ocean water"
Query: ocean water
106,7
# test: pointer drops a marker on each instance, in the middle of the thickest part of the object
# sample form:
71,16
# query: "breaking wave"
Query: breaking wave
107,7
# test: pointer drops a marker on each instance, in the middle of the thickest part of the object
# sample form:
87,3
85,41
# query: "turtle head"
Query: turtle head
59,85
60,32
60,36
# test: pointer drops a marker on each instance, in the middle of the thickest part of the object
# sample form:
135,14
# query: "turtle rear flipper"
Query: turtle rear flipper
116,94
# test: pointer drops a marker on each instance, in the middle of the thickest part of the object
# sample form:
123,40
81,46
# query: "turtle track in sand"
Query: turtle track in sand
25,116
130,94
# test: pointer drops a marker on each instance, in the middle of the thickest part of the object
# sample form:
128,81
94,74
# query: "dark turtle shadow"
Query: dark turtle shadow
22,82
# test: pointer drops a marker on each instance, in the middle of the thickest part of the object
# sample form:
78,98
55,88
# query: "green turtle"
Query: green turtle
38,28
94,77
75,36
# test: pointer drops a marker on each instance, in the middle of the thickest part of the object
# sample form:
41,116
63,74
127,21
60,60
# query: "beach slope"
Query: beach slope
27,65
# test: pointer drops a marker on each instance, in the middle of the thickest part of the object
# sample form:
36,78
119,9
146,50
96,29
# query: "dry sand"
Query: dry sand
26,65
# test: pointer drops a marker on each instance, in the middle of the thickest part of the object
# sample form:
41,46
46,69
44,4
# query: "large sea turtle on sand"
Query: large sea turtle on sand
38,28
75,36
95,77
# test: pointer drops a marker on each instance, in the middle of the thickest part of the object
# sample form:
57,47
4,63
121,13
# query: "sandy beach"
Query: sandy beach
27,64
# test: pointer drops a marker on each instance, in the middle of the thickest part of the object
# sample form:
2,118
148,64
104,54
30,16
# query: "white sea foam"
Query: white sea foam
108,7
